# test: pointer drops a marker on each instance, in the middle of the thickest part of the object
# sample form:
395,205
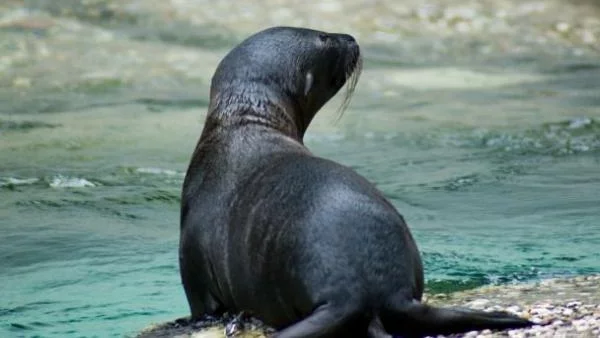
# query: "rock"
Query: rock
568,307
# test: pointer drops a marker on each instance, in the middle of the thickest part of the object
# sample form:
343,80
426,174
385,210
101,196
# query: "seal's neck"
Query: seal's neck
231,110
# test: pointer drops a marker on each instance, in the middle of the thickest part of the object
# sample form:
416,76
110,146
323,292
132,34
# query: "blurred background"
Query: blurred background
480,120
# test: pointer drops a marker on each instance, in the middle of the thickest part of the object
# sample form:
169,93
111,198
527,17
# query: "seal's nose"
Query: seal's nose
348,39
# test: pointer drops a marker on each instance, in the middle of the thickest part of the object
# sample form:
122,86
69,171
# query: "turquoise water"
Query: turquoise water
488,144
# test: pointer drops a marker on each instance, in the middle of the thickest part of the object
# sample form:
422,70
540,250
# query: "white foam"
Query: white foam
157,171
70,182
579,122
17,181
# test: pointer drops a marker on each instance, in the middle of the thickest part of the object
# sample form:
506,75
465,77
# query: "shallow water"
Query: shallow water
479,120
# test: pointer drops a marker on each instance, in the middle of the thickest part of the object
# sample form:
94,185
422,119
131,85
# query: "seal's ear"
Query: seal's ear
308,83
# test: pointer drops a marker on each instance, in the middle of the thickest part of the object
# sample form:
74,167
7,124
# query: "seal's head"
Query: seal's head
282,76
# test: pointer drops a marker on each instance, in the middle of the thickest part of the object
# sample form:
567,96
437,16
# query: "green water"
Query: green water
479,120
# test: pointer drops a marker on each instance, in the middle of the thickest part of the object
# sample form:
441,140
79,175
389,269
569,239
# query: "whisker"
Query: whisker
352,76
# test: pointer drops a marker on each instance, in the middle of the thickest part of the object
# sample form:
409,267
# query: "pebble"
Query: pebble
567,312
471,334
514,309
478,303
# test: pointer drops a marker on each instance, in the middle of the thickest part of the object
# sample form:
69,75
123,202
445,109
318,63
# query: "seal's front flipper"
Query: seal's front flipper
418,320
235,326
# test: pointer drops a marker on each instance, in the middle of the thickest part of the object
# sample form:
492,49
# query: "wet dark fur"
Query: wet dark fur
303,243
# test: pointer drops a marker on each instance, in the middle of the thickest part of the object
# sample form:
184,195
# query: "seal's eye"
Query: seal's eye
323,37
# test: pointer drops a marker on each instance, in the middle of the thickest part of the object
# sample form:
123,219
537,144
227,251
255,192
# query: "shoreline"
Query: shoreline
570,307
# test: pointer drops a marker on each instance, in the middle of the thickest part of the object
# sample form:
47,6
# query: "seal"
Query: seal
302,243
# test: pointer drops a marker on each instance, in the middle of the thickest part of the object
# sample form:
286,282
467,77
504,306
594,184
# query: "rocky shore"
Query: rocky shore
567,307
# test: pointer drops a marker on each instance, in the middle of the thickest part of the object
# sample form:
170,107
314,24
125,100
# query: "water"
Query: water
479,120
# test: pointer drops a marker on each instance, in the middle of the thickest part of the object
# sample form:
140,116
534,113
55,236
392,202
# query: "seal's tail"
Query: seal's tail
417,320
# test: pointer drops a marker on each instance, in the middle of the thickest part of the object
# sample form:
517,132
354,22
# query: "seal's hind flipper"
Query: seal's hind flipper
417,320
